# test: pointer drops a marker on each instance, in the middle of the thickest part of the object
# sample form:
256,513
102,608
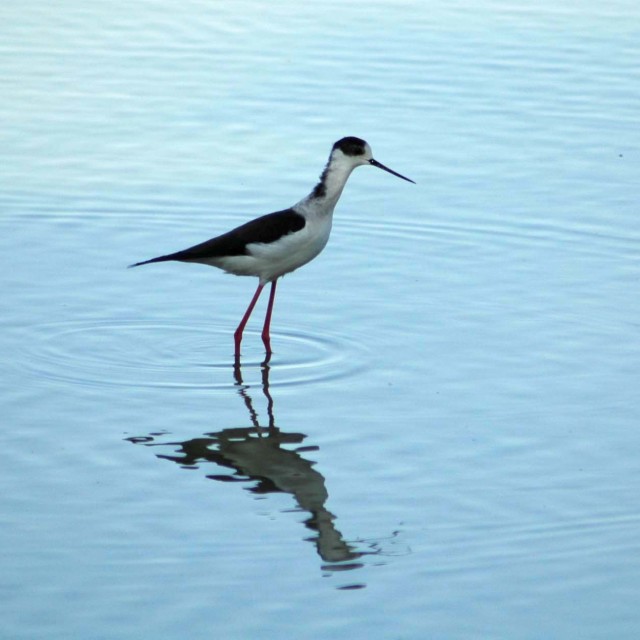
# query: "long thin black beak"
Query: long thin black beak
375,163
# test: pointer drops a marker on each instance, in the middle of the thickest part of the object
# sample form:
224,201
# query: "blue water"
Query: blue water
445,443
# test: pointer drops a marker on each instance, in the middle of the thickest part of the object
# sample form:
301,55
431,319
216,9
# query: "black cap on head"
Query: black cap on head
351,146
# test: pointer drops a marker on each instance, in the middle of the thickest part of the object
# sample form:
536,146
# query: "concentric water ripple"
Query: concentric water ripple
173,355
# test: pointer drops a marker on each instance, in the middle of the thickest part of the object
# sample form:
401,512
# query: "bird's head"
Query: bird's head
357,152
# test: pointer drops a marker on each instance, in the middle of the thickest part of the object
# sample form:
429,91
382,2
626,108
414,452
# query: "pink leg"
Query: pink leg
237,336
266,338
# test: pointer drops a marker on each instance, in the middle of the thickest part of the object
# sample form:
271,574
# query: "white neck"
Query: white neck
327,192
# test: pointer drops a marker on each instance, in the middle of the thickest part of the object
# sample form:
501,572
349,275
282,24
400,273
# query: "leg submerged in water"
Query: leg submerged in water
266,336
237,336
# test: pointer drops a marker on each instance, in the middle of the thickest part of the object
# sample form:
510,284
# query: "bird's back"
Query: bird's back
266,229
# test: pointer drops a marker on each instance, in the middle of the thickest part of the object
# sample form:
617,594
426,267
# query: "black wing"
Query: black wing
268,228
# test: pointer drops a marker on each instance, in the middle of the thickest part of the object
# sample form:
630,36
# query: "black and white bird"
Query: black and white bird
278,243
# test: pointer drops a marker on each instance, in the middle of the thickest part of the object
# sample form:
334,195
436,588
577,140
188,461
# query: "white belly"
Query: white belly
272,260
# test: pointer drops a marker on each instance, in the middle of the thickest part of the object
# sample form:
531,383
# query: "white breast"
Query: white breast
269,261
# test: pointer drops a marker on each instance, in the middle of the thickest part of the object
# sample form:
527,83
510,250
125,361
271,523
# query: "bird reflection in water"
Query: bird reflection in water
259,455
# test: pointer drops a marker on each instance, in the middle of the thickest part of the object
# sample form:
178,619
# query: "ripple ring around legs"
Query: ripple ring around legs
166,354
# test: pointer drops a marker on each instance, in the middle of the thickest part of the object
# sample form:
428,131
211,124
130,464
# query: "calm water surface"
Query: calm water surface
446,441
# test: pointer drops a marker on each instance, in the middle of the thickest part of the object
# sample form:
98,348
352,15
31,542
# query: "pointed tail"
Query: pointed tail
158,259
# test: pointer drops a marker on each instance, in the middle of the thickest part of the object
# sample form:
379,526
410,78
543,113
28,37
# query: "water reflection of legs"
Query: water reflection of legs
243,390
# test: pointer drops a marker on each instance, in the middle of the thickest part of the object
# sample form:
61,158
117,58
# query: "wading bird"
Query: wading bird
280,242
